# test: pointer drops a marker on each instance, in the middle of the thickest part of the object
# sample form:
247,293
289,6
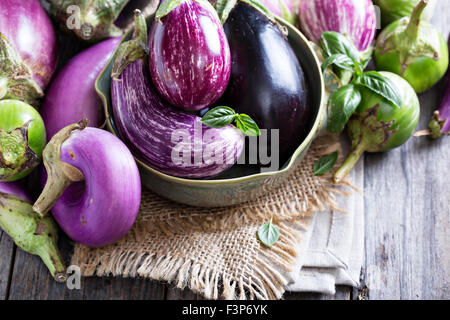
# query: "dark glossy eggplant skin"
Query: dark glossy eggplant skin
267,81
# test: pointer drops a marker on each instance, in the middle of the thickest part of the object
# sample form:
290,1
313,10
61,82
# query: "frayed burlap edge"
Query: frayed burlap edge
269,272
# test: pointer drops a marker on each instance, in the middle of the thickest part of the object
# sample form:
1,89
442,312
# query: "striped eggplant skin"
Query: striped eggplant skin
149,126
267,81
71,96
189,56
355,18
101,209
28,28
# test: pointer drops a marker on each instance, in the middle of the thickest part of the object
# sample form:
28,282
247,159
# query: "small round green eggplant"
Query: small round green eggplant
22,139
414,49
392,10
377,126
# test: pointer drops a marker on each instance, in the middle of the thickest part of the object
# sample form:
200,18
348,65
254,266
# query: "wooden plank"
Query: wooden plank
342,293
407,211
177,294
6,260
31,281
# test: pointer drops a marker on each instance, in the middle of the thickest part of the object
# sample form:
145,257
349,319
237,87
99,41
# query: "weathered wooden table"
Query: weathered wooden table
406,196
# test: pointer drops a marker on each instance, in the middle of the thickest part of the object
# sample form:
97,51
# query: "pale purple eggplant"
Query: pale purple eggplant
71,96
189,56
165,138
30,32
355,18
281,8
93,187
38,236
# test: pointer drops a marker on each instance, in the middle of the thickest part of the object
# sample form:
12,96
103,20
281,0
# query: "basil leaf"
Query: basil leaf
268,234
247,125
382,86
336,43
165,8
340,60
325,164
341,106
219,117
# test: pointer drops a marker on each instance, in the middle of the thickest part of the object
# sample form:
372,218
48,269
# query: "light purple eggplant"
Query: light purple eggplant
169,140
189,58
355,18
30,32
281,8
71,96
93,187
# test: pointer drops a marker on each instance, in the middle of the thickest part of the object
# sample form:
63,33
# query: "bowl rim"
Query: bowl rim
292,160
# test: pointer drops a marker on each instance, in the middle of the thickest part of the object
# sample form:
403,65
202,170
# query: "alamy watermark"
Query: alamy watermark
204,148
74,23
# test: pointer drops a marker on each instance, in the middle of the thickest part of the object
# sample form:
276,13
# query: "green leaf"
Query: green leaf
340,60
165,7
268,234
219,117
325,164
382,86
335,43
247,125
342,105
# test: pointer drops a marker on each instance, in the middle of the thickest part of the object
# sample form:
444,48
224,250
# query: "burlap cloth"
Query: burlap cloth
216,252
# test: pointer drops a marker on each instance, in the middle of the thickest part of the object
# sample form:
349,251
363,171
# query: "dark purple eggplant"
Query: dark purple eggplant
189,54
267,81
165,138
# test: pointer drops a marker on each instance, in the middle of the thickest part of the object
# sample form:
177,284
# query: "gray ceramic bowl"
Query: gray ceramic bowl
241,183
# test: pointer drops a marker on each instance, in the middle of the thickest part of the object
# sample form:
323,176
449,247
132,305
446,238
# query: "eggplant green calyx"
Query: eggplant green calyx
91,20
16,155
16,79
131,50
341,53
435,126
367,133
31,233
411,39
60,175
220,117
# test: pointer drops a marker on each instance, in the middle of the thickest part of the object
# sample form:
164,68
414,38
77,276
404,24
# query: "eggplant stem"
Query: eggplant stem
412,30
355,154
60,175
132,50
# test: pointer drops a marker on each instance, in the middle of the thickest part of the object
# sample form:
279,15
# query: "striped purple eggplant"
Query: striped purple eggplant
355,18
189,56
169,140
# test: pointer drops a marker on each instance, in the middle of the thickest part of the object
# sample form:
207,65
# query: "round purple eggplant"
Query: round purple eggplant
189,54
267,81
